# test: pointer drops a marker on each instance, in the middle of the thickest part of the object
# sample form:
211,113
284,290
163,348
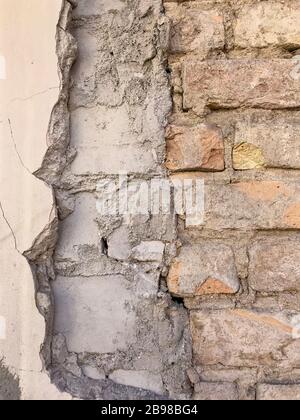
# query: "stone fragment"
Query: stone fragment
210,391
247,156
71,365
93,313
270,23
266,204
268,392
93,373
270,142
149,251
119,244
195,148
140,379
243,338
59,348
230,84
274,265
194,30
292,216
79,228
203,269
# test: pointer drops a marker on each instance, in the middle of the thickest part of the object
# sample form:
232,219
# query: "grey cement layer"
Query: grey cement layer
117,332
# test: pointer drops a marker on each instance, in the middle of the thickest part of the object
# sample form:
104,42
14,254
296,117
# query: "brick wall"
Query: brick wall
235,80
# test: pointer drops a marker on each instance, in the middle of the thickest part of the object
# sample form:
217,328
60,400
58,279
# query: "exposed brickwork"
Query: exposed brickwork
158,303
234,69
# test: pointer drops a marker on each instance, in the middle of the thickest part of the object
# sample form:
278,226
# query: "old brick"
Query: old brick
119,246
240,83
267,392
274,265
195,30
210,391
203,269
243,338
268,204
248,156
273,143
269,23
195,148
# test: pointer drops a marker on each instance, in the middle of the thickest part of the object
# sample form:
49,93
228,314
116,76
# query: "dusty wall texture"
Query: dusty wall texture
99,305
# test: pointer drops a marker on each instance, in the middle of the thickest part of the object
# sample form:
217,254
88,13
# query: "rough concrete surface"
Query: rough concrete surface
97,305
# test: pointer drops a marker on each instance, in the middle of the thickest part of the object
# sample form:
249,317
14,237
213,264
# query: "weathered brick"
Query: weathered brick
194,30
267,392
273,143
229,84
244,338
195,148
203,269
270,23
274,265
268,204
214,391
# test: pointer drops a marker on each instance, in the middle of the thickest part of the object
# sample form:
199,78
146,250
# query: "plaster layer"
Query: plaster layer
27,218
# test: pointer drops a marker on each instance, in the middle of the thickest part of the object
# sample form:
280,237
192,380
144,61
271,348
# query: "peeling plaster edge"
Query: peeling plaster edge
40,254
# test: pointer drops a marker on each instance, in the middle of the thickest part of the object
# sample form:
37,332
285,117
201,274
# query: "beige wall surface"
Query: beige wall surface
29,88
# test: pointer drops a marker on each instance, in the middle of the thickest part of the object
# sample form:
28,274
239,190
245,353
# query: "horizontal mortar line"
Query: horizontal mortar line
244,108
242,230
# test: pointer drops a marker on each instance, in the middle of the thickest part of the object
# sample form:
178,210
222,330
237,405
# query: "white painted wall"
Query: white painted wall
29,87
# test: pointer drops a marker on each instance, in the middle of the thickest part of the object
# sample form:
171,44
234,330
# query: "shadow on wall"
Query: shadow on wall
9,385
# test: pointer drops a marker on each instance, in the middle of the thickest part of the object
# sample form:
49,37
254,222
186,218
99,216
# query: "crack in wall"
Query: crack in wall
27,98
10,228
15,146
